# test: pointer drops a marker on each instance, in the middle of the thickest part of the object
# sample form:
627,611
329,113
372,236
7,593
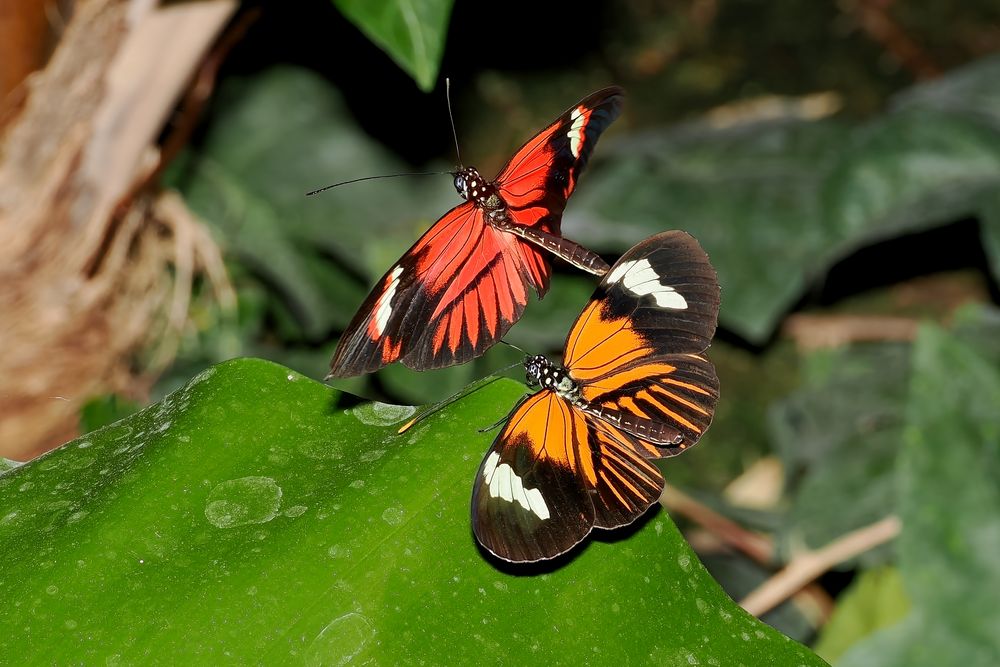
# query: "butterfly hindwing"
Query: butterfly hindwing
671,396
626,483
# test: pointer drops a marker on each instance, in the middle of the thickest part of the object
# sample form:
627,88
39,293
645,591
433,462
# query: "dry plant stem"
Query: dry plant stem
194,251
813,332
875,19
198,94
811,600
83,277
759,548
805,567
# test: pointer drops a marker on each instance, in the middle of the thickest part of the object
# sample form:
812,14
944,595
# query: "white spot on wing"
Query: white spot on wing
639,277
384,309
537,503
504,483
575,133
491,465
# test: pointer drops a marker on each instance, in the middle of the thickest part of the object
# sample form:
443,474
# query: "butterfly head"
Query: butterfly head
462,184
473,187
468,183
542,372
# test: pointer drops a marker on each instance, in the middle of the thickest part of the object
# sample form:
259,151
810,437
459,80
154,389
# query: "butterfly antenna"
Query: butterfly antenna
434,407
451,117
371,178
515,347
461,393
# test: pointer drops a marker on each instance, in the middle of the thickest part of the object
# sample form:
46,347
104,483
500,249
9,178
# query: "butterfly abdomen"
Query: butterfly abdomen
569,251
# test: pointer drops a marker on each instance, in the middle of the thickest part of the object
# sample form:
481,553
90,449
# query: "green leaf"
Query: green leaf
739,576
412,32
989,221
840,433
949,501
838,437
963,93
103,410
251,517
875,600
776,202
751,382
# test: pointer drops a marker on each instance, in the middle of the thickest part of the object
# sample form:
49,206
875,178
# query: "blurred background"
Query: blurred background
839,161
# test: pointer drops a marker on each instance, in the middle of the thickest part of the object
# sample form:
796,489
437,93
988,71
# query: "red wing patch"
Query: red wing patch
448,299
540,177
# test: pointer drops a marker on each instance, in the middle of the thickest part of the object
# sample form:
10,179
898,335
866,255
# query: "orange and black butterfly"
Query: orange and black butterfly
634,386
459,289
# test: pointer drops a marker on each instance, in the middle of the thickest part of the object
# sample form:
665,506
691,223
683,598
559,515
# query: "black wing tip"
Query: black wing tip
344,372
528,554
614,90
348,363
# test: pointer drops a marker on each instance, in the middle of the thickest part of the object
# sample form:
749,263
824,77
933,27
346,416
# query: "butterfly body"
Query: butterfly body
465,282
633,386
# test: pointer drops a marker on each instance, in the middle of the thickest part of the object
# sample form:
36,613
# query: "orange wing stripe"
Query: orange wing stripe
610,484
687,385
679,399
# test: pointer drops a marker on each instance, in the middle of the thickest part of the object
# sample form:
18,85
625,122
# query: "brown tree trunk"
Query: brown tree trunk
84,256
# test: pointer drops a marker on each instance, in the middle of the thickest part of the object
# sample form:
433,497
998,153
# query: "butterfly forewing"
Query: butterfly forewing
666,290
539,178
530,498
636,348
552,475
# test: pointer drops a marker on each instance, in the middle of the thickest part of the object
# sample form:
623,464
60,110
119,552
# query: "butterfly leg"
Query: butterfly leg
500,422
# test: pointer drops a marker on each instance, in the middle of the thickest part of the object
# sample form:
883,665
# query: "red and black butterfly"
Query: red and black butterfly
634,386
460,287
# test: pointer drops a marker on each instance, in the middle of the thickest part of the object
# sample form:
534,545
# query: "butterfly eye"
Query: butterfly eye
532,372
460,185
